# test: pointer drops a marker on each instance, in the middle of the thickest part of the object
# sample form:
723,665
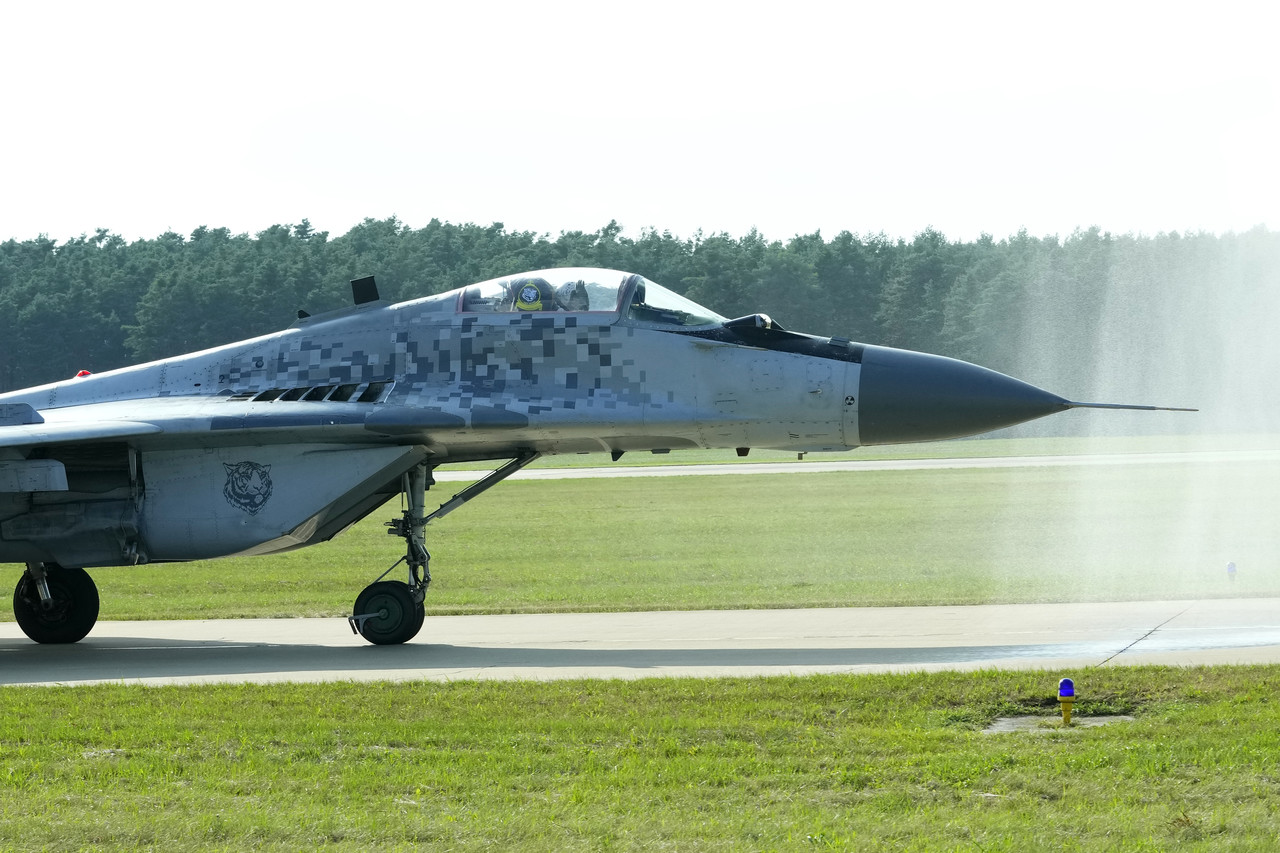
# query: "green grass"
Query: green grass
885,762
867,763
784,540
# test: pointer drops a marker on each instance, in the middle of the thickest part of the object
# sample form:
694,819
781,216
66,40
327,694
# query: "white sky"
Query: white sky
723,116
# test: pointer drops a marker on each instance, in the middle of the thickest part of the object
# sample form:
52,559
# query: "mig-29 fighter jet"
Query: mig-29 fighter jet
285,440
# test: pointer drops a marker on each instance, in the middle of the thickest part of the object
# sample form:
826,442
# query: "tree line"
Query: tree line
1093,312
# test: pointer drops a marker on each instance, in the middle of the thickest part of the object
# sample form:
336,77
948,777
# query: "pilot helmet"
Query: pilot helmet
572,296
532,294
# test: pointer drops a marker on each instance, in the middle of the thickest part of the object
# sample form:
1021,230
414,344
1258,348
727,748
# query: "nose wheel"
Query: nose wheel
388,613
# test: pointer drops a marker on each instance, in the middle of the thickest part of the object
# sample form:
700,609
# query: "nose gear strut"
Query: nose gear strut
392,612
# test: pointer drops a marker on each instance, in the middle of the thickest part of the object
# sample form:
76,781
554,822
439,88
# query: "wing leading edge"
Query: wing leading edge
29,435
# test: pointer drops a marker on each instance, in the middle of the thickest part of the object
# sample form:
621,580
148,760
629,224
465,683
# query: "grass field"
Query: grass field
885,762
891,762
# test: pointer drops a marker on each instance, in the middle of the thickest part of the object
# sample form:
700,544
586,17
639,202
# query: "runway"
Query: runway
1062,637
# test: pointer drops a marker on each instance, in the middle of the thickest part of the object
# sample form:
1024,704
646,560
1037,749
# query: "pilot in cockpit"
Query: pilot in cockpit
532,294
572,296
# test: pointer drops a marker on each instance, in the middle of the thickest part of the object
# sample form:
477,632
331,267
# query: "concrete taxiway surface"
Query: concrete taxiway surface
638,645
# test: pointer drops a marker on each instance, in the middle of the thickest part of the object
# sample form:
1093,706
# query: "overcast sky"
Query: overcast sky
787,117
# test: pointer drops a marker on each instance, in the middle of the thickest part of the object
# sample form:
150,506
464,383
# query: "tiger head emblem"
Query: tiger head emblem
248,485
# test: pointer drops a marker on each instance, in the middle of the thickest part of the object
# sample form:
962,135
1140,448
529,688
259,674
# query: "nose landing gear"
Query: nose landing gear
392,612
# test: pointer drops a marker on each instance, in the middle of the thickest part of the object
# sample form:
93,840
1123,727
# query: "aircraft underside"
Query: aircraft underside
57,603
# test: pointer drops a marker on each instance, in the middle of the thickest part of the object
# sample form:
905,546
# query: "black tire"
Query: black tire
74,610
396,618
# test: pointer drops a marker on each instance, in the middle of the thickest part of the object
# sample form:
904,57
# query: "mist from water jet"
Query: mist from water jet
1172,320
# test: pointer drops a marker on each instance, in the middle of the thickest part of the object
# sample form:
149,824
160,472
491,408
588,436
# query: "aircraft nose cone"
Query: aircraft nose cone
913,396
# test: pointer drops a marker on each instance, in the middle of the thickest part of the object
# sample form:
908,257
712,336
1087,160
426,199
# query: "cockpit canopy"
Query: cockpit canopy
585,290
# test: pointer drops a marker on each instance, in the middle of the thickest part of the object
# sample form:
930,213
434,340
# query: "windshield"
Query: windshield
653,303
585,289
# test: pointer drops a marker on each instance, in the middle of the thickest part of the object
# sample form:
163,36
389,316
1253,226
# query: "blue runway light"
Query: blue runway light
1066,698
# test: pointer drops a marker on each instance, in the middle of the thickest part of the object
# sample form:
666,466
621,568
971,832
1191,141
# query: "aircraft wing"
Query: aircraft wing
479,432
204,421
27,435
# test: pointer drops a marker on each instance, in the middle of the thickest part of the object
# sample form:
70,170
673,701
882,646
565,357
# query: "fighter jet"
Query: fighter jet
285,440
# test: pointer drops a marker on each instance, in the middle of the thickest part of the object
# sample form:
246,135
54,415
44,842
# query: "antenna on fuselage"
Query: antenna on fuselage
364,290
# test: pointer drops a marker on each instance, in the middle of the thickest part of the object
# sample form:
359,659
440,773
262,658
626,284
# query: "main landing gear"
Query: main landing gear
55,605
391,612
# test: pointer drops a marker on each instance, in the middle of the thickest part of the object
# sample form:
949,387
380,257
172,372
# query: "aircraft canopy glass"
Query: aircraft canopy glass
583,289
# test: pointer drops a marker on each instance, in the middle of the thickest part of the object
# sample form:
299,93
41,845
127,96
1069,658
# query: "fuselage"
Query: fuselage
284,440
